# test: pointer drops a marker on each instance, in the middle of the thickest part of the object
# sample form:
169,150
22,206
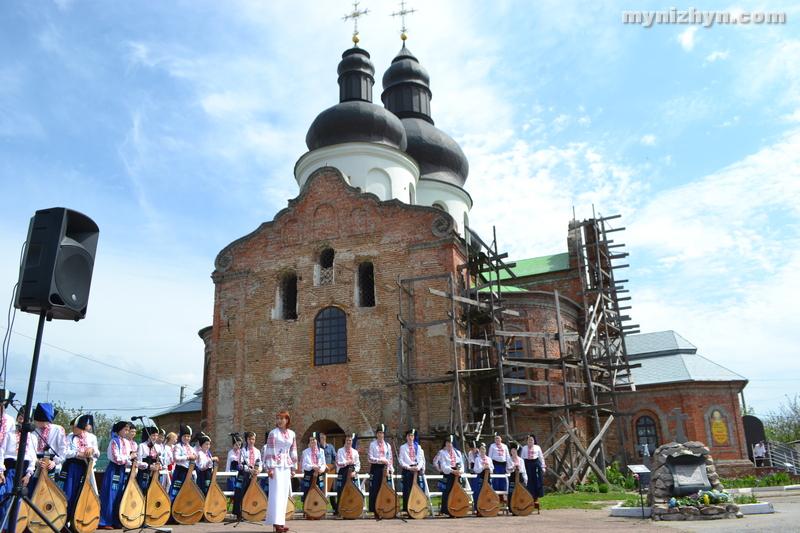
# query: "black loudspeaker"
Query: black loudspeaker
56,270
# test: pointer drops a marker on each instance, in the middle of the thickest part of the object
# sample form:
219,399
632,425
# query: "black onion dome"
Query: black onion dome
439,157
355,118
407,94
406,87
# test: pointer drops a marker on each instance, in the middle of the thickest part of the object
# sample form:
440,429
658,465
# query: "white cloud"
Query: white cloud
648,140
687,38
717,55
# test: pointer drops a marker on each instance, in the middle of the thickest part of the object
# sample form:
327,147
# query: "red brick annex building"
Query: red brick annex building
369,300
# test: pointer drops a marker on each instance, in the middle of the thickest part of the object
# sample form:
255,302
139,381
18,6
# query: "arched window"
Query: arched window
330,337
289,296
366,284
325,266
646,433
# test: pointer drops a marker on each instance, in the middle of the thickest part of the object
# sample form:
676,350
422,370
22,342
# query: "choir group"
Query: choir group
168,459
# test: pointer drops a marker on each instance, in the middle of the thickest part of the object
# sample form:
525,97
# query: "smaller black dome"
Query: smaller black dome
439,157
405,68
356,121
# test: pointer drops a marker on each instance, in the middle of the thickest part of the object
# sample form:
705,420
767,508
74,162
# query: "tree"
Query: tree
102,422
784,426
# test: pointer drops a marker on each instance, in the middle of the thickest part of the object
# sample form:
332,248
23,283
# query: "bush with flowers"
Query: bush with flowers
701,498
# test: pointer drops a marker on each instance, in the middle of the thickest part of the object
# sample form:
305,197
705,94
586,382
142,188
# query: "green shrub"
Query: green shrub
602,487
744,498
634,501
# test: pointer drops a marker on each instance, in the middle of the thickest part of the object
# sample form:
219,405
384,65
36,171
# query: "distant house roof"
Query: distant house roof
666,357
191,406
538,265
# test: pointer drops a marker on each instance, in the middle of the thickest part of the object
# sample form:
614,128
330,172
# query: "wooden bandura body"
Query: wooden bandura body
388,503
351,504
157,506
254,502
458,501
131,507
290,508
216,504
187,508
488,500
316,504
417,502
521,501
50,500
86,517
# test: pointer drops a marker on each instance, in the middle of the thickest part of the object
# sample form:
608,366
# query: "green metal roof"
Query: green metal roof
538,265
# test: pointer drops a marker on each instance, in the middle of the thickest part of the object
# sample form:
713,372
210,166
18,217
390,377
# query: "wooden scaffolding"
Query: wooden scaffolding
490,371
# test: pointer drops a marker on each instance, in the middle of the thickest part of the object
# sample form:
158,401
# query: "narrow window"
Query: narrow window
326,266
330,337
366,285
516,350
646,432
289,296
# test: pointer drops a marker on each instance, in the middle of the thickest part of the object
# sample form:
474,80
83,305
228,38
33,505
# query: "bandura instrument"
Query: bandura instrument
187,508
86,517
290,508
131,506
488,500
254,502
23,513
521,501
216,504
50,500
417,502
458,500
388,503
156,505
316,504
351,504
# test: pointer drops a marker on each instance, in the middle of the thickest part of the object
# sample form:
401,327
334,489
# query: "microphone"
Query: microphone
135,418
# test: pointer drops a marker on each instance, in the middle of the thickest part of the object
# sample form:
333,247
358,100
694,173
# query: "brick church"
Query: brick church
343,308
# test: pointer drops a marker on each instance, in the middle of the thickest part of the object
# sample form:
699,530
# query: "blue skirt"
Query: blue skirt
305,484
111,495
73,472
500,483
178,476
535,478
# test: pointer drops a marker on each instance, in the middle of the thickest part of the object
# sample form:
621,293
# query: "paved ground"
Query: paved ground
786,519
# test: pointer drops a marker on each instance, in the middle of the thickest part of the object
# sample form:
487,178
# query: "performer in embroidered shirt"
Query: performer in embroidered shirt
249,467
120,453
515,463
10,448
472,456
168,459
7,423
149,454
232,462
452,463
51,442
182,453
81,446
313,460
348,462
534,467
280,460
482,462
498,452
330,461
411,459
205,462
380,457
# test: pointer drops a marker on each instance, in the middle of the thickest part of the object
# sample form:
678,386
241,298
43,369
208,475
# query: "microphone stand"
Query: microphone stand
19,493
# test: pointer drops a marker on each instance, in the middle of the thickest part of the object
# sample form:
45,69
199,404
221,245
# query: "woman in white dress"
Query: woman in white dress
280,459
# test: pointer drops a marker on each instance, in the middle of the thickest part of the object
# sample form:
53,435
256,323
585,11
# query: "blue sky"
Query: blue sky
176,127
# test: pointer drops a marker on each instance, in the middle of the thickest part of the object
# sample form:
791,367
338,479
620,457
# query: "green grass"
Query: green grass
581,500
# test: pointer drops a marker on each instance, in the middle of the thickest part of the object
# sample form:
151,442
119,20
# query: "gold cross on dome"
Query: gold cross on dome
402,14
354,15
